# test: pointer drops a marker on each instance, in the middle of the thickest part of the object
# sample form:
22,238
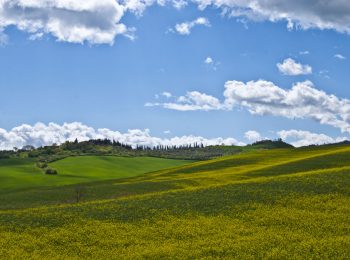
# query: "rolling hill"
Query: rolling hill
280,203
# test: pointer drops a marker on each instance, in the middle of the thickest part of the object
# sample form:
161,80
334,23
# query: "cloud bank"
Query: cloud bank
262,97
99,21
41,135
297,138
303,138
47,134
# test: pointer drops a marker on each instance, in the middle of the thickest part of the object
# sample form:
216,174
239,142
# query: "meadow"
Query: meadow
16,173
276,204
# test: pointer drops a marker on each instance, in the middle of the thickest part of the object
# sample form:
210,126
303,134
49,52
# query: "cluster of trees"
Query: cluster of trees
45,167
270,144
169,147
7,154
106,142
93,142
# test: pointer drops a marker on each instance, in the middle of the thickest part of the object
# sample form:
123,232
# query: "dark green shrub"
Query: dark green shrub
41,165
51,171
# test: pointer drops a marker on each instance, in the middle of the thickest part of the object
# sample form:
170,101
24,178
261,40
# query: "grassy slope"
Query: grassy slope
110,167
273,204
22,173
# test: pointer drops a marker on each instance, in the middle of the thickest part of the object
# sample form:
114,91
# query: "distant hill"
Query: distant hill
272,144
346,142
107,147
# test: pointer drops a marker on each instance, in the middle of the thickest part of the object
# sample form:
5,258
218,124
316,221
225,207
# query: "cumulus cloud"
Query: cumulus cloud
186,27
339,57
301,14
41,135
252,136
292,68
300,138
301,101
262,97
304,52
92,21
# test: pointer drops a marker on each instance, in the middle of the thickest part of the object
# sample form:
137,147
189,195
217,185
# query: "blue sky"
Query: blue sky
106,84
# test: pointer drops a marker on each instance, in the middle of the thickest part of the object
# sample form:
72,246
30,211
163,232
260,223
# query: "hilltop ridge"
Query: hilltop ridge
106,147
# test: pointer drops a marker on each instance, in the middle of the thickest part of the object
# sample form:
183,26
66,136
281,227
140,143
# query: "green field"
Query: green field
279,204
20,173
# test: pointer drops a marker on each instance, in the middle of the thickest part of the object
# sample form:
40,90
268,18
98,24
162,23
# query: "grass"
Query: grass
16,174
276,204
110,167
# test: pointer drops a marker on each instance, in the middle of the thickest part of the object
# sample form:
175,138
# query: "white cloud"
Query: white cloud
36,36
192,101
167,132
318,14
291,68
252,136
47,134
91,21
303,138
304,52
210,63
41,135
99,21
301,101
261,97
339,56
208,60
186,27
167,94
138,6
179,4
